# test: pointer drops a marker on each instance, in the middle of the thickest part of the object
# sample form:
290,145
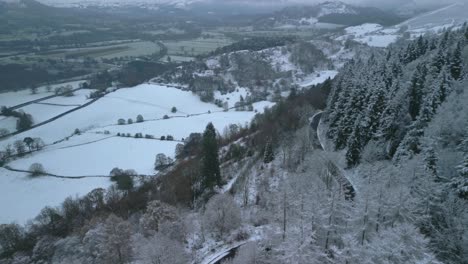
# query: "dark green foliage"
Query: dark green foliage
28,141
210,171
24,122
307,56
388,106
137,72
268,155
140,119
460,182
416,90
123,178
255,44
456,64
353,154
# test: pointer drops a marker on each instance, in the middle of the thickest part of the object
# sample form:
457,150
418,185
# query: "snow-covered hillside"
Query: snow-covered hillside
98,148
450,16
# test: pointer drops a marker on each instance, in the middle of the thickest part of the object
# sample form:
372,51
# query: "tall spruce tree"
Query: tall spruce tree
461,181
430,160
210,172
268,155
416,90
456,63
353,154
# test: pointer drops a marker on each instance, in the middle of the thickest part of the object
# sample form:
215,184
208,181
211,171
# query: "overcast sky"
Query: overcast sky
378,3
387,3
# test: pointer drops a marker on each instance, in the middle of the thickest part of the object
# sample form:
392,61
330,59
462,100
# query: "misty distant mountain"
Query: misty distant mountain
334,12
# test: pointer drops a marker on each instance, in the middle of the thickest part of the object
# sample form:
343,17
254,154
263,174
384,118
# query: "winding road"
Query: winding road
347,187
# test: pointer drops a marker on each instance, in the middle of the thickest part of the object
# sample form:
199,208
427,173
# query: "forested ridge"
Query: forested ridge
408,108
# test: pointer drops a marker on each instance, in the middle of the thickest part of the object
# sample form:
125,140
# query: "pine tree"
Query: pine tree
440,89
415,93
210,171
411,144
460,183
439,60
353,154
430,160
456,64
268,155
444,40
373,114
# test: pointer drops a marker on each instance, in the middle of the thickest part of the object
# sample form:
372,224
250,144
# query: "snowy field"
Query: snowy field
151,101
452,15
94,152
99,157
317,78
373,35
8,123
23,197
15,98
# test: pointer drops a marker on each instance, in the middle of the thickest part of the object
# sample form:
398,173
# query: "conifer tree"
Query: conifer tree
353,154
415,92
268,155
210,172
430,160
411,144
456,63
373,114
460,183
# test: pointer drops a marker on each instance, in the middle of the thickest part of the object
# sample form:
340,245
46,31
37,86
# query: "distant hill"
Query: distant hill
334,12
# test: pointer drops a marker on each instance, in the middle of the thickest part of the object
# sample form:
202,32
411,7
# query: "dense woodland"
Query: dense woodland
406,108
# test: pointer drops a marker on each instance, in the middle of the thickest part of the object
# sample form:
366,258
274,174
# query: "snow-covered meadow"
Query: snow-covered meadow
98,149
24,197
373,35
15,98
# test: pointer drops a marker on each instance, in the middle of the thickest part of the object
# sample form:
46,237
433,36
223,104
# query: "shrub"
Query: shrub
140,119
165,117
36,169
4,131
163,137
25,121
174,109
121,121
169,138
130,121
123,178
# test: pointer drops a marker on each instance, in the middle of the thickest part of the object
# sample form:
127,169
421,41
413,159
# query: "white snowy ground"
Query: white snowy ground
151,101
22,198
8,123
233,97
373,35
14,98
317,78
96,153
449,16
50,108
99,158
